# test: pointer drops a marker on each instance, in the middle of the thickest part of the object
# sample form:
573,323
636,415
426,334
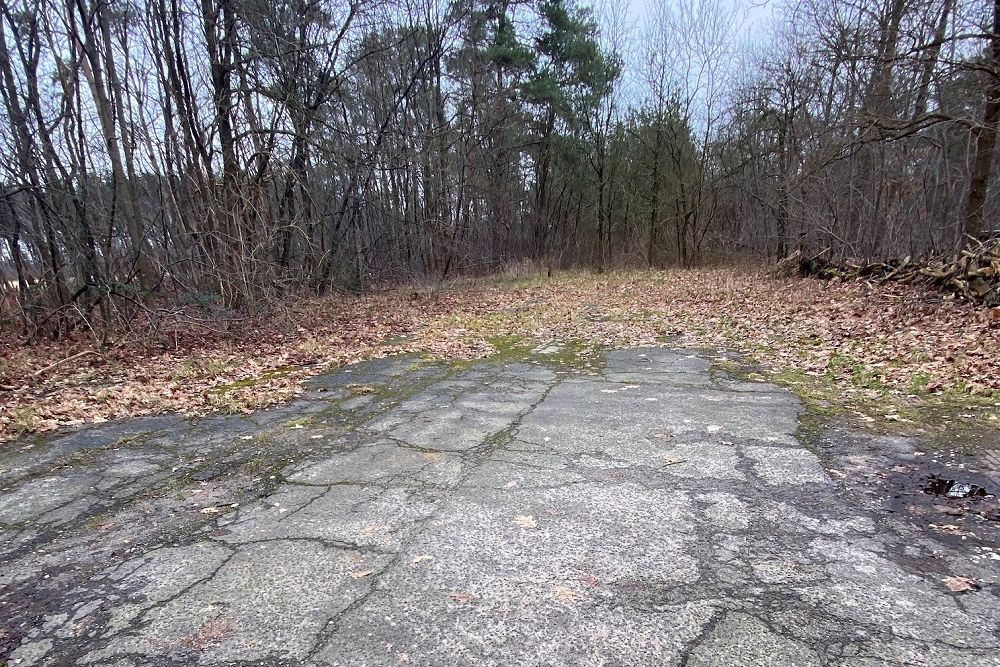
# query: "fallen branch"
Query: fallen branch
973,274
63,361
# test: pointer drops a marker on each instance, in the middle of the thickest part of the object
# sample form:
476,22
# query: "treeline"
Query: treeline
228,152
868,129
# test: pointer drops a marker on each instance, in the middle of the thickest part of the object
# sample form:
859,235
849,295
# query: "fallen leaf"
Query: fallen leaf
525,521
960,584
946,527
211,631
564,594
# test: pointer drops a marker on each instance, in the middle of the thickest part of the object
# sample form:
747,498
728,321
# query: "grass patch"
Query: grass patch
254,380
23,420
190,369
954,419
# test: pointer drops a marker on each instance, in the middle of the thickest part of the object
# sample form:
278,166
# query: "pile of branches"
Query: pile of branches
973,274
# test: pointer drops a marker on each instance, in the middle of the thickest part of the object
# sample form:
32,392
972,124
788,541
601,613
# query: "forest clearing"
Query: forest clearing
880,351
510,333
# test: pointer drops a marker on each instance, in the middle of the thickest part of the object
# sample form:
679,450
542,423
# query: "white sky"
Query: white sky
632,17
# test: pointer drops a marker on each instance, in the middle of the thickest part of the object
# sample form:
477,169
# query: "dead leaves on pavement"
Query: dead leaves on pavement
960,584
462,598
210,632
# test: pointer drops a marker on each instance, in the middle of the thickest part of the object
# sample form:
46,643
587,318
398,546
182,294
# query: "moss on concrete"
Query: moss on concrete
571,355
953,419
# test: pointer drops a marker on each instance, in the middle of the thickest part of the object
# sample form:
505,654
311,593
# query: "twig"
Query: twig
62,361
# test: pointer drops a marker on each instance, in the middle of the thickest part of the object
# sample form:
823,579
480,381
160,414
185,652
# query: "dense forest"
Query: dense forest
227,152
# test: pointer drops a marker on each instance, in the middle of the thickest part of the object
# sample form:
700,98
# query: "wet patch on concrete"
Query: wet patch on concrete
951,496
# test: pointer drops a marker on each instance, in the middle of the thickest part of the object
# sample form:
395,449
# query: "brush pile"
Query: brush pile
973,274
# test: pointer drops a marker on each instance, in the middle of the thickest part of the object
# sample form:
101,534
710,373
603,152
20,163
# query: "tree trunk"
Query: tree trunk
986,138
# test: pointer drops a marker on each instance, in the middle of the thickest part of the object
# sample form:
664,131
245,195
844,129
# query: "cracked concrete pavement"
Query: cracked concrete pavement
644,510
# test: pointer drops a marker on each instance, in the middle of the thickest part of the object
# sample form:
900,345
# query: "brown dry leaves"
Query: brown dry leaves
210,632
197,373
895,335
960,584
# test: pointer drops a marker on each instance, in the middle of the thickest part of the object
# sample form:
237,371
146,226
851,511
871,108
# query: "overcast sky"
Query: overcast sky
757,11
752,26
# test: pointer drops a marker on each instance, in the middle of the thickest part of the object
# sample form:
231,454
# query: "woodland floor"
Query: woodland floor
890,356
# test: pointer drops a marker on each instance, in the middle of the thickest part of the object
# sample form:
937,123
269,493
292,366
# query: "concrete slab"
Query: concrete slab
655,512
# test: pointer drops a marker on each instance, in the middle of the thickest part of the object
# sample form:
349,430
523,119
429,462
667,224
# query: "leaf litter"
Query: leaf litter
867,341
